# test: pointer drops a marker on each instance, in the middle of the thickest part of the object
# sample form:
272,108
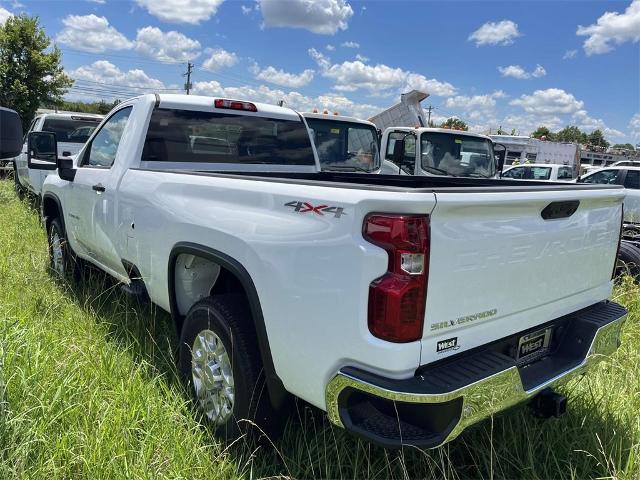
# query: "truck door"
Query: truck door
92,206
407,164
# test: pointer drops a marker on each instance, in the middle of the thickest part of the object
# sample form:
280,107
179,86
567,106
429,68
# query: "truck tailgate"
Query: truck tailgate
497,267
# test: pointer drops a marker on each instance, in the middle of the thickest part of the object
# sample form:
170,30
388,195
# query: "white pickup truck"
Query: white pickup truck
71,129
437,151
385,300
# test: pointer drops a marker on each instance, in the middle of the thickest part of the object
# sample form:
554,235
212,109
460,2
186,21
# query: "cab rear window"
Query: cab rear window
207,137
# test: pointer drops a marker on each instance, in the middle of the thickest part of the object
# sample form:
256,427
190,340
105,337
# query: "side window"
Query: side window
565,173
104,146
603,177
540,173
408,162
516,172
632,179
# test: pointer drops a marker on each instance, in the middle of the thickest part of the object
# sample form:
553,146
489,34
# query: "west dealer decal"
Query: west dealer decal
462,320
305,207
447,345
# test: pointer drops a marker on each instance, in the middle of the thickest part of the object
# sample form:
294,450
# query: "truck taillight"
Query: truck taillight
234,105
397,299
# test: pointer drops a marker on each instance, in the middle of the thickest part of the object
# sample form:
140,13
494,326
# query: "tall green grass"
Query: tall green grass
89,390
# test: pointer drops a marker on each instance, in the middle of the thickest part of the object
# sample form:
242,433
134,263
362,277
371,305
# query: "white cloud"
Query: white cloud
101,2
526,124
330,48
612,27
318,16
634,127
496,33
516,71
280,77
549,102
170,47
377,79
219,58
350,45
292,99
246,10
105,72
569,54
362,58
539,71
476,107
181,11
4,15
91,33
584,122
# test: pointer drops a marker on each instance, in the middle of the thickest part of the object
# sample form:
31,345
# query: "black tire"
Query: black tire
628,262
228,317
67,268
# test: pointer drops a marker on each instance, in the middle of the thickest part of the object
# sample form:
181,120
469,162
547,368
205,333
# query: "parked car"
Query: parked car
365,295
540,171
629,178
71,129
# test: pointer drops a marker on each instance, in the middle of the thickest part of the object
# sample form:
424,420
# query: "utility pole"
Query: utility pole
187,86
429,108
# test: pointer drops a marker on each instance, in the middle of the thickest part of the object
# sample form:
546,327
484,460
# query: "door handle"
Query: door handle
98,188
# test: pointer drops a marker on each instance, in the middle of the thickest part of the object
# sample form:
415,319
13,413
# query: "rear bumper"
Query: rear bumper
442,399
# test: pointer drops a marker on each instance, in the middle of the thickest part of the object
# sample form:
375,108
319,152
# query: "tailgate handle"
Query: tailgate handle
560,209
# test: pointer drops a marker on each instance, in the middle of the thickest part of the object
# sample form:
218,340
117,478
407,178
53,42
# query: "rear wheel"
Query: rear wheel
220,362
62,260
628,261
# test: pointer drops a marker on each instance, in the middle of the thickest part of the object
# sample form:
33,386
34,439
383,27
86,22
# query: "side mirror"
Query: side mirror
42,150
10,133
65,169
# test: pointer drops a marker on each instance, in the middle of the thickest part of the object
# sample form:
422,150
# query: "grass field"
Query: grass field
89,390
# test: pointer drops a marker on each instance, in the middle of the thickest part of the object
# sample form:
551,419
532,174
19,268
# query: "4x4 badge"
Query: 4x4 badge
305,207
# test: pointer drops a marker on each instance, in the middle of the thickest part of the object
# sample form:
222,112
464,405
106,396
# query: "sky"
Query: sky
511,64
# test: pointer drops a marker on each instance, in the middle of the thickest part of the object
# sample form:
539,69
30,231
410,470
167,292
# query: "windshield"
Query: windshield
458,155
344,145
70,130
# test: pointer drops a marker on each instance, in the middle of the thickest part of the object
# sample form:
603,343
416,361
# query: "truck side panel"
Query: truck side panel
311,269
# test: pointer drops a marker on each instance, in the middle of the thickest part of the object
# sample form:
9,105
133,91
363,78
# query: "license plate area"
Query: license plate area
533,345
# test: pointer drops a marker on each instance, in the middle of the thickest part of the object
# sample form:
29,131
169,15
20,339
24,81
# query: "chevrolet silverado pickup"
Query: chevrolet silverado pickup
384,300
71,129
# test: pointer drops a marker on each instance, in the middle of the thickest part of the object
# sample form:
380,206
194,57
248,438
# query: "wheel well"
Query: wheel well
50,210
196,277
218,273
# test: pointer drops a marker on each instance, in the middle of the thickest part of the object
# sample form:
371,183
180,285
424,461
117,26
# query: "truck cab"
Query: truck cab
72,131
437,151
344,144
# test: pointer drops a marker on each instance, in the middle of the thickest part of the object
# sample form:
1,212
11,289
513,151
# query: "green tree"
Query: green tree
455,123
541,131
30,73
597,138
571,134
624,146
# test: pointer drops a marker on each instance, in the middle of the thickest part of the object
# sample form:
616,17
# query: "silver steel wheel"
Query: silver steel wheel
57,254
212,377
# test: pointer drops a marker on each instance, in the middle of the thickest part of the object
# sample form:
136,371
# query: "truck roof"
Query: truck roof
200,102
337,118
72,115
440,130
